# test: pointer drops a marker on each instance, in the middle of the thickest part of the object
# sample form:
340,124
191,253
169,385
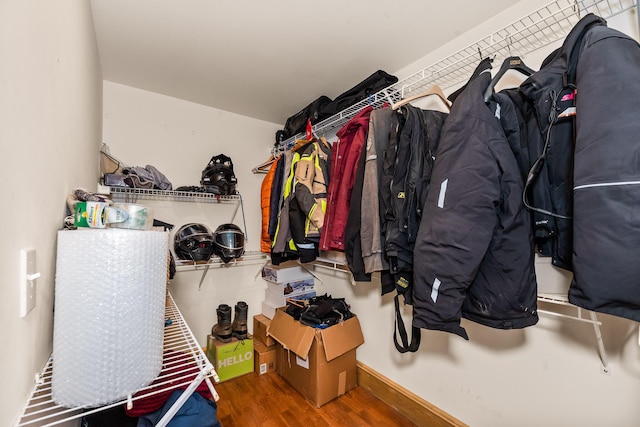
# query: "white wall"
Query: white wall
179,138
548,374
50,126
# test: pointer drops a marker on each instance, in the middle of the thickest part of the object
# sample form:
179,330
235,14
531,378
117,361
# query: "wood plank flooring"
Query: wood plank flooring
269,401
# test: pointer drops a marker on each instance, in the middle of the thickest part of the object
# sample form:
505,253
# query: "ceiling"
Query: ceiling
269,59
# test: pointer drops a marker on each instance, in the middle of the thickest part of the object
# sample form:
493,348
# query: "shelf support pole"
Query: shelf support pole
601,350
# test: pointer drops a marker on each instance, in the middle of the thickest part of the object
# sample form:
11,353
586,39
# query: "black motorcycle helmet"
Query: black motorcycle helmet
218,176
228,242
193,242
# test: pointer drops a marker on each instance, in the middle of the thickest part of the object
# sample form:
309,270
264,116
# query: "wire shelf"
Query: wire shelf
184,365
538,29
215,261
133,194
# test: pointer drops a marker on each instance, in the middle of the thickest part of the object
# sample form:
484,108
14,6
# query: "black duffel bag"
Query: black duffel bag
297,123
369,86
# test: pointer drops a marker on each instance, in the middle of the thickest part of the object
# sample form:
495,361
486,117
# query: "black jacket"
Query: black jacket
417,141
352,242
548,193
606,192
474,252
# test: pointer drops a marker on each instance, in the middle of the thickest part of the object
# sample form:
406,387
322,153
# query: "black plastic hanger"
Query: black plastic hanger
510,63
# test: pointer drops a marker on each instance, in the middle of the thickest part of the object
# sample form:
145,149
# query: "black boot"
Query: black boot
222,330
239,327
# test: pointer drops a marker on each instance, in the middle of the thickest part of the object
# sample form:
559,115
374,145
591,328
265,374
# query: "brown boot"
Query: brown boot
222,330
239,326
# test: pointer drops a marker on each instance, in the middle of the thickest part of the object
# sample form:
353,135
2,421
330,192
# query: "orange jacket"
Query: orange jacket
265,202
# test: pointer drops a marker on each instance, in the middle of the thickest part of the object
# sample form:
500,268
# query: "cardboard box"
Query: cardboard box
260,325
284,273
319,363
276,299
264,358
294,287
231,359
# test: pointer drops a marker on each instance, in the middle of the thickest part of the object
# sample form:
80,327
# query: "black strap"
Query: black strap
400,328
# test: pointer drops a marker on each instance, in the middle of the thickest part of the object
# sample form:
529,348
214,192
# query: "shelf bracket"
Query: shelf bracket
313,273
601,350
593,319
204,273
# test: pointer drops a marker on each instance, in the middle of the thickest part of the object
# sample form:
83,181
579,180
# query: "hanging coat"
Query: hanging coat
371,234
275,198
606,192
352,232
474,255
418,137
345,154
265,206
283,247
308,206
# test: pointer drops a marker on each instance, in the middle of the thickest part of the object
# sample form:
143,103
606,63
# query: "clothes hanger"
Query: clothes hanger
434,90
510,63
264,166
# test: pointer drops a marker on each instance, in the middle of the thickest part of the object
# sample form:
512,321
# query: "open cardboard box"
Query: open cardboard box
319,363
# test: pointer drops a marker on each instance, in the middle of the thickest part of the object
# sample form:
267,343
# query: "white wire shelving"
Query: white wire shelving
132,195
184,366
251,257
538,29
248,258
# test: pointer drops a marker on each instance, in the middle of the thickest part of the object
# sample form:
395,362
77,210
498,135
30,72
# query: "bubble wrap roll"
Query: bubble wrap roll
109,314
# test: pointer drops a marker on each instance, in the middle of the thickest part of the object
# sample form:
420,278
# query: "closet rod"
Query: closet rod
540,28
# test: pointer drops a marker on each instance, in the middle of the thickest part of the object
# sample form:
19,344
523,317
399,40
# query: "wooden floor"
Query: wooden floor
269,401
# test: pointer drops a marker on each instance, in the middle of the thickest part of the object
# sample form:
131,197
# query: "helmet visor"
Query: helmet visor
230,239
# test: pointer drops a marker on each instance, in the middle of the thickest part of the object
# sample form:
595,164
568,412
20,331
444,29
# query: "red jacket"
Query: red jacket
345,154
